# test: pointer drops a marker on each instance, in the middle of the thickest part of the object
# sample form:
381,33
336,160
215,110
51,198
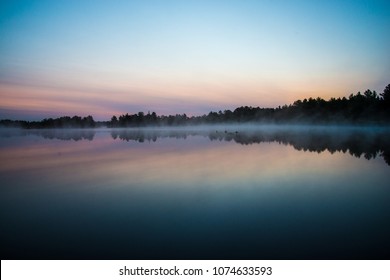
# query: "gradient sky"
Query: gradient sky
112,57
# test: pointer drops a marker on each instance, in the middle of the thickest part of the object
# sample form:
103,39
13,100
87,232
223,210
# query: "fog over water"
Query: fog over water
367,142
217,192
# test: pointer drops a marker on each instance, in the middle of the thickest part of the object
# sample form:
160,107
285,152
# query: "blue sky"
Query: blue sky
112,57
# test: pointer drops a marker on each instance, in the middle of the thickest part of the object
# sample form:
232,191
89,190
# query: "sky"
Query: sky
105,58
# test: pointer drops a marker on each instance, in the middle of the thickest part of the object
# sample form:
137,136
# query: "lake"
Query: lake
261,192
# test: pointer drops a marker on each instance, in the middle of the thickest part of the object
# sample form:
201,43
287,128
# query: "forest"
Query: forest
368,108
62,122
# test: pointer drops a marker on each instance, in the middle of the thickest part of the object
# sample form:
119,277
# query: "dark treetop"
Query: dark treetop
368,108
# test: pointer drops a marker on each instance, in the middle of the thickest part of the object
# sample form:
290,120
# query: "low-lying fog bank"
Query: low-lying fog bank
368,142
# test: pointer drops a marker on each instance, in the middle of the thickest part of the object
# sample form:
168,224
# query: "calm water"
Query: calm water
262,193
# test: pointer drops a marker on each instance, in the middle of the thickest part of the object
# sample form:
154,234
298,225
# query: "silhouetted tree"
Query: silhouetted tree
366,108
386,96
114,121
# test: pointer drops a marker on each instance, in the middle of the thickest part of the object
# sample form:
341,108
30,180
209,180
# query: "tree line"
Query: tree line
62,122
360,108
366,108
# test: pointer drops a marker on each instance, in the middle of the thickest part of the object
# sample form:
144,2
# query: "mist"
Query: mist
367,142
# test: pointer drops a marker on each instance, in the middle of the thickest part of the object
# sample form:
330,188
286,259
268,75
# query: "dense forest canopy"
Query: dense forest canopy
361,109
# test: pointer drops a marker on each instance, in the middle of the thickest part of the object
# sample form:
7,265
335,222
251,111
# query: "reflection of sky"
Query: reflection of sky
178,163
188,198
99,58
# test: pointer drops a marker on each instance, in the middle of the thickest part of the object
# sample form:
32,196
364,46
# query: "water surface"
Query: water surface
216,193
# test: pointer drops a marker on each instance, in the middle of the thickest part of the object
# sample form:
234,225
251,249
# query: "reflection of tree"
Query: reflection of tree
64,134
367,143
148,135
357,143
386,156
